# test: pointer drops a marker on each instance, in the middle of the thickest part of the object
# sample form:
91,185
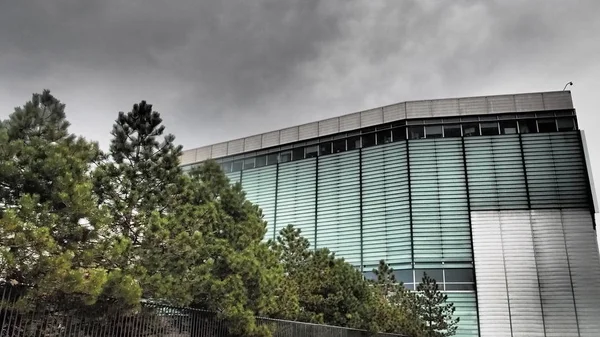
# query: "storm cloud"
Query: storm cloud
218,70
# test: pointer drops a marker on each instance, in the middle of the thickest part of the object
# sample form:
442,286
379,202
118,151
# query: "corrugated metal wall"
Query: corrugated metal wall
540,268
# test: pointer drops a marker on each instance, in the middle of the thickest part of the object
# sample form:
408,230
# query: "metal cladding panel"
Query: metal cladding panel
385,206
500,104
329,126
203,153
521,274
582,250
296,195
466,309
444,107
418,109
492,294
371,117
338,200
289,135
260,185
308,131
529,102
188,157
270,139
252,143
553,269
560,100
235,146
472,106
350,122
219,150
394,112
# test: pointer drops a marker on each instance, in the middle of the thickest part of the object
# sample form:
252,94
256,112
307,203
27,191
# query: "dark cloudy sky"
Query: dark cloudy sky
224,69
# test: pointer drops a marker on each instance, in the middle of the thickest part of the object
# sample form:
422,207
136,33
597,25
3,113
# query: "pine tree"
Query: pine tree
51,230
400,303
434,309
330,290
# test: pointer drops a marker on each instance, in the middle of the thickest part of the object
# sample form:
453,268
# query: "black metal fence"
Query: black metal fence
150,320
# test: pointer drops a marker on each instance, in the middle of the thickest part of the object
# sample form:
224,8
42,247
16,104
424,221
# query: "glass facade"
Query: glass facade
406,192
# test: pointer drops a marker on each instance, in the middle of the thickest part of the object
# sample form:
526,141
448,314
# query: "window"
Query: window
384,137
416,132
433,121
312,151
272,158
436,274
459,275
369,275
285,156
226,167
261,161
339,146
471,129
565,124
547,125
508,127
469,119
353,143
563,113
399,134
489,129
368,140
325,148
237,166
452,120
433,131
248,163
297,153
452,131
527,126
404,275
459,286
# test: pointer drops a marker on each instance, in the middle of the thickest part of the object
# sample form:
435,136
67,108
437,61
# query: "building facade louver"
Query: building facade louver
492,196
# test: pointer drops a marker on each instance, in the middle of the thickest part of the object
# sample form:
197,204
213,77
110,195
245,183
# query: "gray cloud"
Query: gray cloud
218,70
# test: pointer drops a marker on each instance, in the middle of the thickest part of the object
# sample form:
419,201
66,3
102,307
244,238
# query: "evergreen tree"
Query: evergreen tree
51,230
434,309
400,305
330,290
191,240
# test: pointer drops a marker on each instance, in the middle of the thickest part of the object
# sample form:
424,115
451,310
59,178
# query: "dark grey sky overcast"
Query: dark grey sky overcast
218,70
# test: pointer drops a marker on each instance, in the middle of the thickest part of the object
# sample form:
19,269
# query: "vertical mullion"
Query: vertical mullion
275,210
465,166
412,245
360,183
316,200
525,171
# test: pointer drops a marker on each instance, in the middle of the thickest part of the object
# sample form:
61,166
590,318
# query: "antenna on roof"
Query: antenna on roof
566,85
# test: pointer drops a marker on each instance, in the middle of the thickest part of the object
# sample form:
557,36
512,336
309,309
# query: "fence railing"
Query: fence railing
151,320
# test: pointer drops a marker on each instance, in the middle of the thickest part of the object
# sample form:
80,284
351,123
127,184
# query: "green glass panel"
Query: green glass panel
234,177
296,197
440,217
259,185
338,200
386,208
466,309
495,172
555,170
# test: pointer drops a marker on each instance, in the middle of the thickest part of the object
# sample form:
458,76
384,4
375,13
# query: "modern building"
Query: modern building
490,195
